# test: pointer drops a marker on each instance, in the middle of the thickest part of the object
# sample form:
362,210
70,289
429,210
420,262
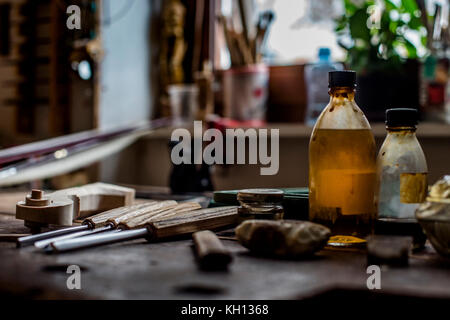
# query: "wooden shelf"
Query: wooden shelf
297,130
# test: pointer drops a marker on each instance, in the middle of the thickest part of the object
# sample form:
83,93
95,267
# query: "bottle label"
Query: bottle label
413,187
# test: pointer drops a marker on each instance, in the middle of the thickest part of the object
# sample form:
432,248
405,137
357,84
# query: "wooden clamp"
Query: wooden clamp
64,206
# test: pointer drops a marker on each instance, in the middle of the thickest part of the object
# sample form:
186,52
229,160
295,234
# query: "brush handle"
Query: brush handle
145,210
104,217
163,214
205,219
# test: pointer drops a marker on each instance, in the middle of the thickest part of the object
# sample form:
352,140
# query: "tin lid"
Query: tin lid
260,195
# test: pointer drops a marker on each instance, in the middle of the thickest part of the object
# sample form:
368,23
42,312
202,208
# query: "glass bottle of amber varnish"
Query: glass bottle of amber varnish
342,166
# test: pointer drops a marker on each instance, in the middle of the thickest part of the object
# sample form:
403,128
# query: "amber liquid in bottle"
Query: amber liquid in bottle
342,172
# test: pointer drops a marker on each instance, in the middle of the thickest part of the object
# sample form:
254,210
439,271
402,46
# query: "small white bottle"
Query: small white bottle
401,167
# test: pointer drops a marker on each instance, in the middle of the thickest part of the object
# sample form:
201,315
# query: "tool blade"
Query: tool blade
29,240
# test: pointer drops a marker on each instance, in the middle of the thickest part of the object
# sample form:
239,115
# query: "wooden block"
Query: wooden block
64,206
96,197
389,250
39,209
211,253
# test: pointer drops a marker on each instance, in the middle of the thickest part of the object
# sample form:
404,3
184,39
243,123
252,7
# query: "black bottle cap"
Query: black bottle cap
401,117
345,78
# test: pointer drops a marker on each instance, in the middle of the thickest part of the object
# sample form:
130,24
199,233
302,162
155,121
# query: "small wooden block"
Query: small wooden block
389,250
64,206
211,253
96,197
57,212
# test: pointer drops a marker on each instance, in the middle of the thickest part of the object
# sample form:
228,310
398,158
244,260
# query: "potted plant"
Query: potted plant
377,35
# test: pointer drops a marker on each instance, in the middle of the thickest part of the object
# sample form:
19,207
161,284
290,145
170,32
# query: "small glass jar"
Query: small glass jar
260,204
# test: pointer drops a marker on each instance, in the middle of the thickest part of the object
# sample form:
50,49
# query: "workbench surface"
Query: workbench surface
141,270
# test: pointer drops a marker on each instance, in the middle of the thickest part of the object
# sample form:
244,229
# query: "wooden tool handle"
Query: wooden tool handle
211,253
101,219
204,219
163,213
143,211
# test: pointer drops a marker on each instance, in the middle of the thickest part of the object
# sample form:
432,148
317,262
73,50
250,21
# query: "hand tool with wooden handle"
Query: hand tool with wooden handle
150,209
211,253
64,206
96,221
183,224
157,211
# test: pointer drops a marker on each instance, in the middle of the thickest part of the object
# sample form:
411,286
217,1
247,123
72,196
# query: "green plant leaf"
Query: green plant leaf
415,23
410,6
412,51
358,25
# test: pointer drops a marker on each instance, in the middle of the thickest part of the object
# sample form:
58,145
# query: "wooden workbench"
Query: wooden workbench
139,270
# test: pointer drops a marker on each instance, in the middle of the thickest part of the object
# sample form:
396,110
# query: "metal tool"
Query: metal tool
95,221
140,211
157,211
186,223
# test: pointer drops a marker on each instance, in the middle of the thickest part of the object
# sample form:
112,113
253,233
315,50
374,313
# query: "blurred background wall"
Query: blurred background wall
117,69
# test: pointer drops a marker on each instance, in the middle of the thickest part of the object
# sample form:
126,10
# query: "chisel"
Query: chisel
114,220
158,211
92,222
180,224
